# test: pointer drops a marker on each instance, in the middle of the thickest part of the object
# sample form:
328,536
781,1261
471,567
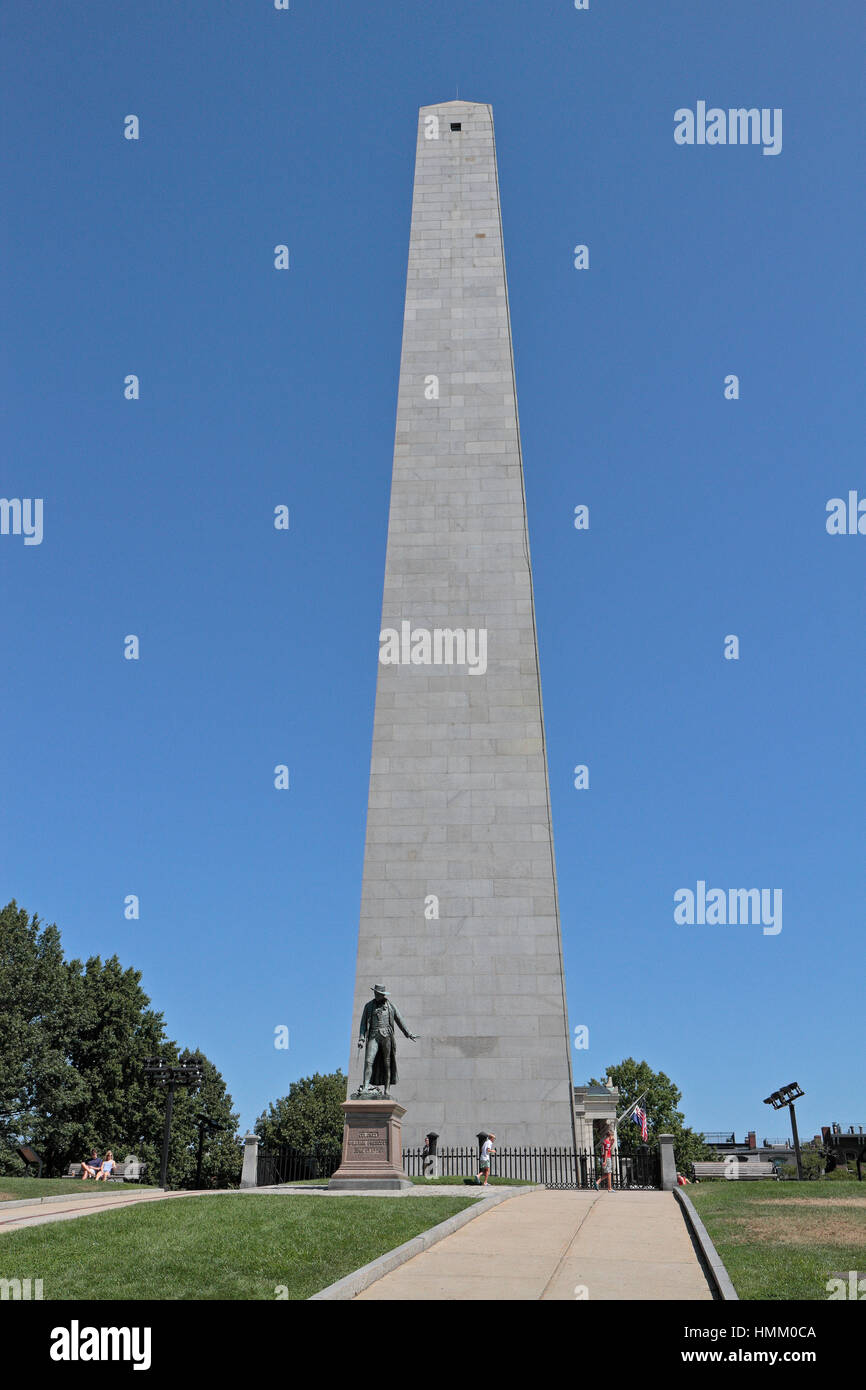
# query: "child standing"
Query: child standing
484,1162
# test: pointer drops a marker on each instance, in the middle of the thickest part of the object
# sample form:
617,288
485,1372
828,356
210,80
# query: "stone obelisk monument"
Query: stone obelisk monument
459,911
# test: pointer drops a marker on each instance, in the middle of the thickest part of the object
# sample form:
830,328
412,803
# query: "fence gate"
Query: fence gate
636,1171
644,1168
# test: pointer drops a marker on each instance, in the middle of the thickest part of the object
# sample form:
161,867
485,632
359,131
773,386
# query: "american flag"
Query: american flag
639,1118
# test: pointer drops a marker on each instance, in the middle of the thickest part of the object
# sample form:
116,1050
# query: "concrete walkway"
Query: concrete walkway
559,1245
15,1216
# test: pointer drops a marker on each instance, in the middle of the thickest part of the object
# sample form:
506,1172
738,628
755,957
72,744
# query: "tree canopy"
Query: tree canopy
73,1040
309,1117
632,1078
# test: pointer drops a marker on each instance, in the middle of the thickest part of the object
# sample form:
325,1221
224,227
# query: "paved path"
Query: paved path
14,1216
36,1213
547,1245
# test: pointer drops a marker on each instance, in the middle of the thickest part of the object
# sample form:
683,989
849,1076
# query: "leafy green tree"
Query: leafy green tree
37,1078
222,1150
632,1078
114,1031
309,1117
73,1041
812,1161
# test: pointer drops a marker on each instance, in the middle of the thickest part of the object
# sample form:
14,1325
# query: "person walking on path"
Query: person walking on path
484,1162
606,1159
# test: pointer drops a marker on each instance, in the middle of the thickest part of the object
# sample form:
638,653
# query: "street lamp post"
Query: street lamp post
186,1072
166,1136
785,1096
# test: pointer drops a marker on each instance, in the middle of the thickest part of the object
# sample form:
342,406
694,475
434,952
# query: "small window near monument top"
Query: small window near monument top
456,125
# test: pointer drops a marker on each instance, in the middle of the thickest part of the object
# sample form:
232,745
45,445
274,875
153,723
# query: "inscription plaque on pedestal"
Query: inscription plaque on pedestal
366,1143
372,1148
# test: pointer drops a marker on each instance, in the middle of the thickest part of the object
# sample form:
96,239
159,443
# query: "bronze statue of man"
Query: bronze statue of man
377,1035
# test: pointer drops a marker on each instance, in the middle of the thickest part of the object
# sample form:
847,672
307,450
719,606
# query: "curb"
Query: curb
362,1278
720,1276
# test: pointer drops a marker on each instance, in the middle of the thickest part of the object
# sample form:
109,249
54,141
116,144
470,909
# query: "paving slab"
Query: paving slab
547,1246
41,1213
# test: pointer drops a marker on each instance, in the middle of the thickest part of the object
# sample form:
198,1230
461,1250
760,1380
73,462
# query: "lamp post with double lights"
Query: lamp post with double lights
785,1096
188,1071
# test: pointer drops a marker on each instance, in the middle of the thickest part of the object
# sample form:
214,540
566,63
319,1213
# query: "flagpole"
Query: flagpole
628,1113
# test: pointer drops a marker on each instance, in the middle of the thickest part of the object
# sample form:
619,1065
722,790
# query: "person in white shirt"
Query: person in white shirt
484,1163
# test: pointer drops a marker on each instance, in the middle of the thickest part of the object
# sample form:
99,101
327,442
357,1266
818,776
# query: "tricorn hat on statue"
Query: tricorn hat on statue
379,989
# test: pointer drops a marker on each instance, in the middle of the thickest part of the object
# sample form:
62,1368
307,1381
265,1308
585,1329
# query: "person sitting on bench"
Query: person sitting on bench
90,1166
108,1166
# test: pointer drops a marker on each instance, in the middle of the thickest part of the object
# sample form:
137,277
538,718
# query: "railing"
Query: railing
564,1167
555,1168
450,1163
284,1163
720,1137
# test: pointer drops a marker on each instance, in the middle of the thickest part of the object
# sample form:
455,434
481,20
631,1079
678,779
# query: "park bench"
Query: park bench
30,1157
130,1170
753,1168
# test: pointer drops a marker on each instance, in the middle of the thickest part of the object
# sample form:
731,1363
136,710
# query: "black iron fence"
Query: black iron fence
284,1163
554,1168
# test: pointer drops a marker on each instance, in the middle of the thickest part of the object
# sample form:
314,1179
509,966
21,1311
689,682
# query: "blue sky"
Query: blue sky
259,387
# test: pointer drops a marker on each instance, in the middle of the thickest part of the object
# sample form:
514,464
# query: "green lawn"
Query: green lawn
14,1189
783,1240
221,1247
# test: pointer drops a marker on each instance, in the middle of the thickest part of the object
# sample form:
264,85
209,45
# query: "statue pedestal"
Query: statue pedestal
372,1148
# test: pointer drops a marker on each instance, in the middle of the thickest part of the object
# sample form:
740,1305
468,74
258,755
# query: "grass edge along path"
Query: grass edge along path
30,1189
769,1235
220,1247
